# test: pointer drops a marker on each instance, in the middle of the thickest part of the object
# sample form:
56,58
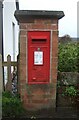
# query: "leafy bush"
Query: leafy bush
11,105
68,57
72,94
71,91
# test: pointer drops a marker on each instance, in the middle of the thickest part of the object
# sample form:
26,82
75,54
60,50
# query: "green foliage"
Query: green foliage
11,105
78,56
68,57
7,94
70,91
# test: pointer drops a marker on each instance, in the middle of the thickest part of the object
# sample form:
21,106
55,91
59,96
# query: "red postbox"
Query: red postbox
38,57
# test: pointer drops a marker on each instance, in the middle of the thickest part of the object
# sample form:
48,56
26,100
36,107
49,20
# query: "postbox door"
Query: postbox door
38,57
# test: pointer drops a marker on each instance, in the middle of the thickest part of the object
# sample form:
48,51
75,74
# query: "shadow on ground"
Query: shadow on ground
60,113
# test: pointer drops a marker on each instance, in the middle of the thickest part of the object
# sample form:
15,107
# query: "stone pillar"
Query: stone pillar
38,96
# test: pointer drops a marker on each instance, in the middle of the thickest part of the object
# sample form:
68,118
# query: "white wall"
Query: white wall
8,21
78,19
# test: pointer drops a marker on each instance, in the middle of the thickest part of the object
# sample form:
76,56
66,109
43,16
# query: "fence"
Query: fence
7,64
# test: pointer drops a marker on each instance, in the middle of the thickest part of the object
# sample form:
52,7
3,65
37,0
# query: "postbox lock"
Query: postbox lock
34,78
